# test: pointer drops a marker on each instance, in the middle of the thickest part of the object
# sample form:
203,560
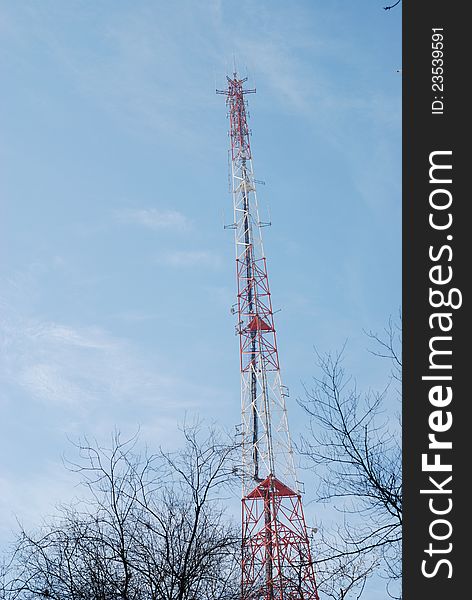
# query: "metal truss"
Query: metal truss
276,560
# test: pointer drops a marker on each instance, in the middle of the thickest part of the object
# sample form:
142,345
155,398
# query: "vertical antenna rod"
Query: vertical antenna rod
276,556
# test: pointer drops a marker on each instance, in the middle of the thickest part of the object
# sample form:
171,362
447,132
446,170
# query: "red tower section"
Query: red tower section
276,556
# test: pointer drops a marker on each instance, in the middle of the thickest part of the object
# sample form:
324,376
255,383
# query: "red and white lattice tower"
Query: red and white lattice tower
276,557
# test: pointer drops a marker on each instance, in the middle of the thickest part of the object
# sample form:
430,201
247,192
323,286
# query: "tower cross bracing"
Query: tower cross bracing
276,554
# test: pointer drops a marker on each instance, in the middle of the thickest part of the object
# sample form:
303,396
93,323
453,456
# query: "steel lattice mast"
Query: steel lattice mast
276,558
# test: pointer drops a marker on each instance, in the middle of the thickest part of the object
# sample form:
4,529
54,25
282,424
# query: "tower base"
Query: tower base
276,556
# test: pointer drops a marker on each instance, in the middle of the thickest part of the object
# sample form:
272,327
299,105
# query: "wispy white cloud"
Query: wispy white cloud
154,218
87,338
282,72
50,383
84,370
58,380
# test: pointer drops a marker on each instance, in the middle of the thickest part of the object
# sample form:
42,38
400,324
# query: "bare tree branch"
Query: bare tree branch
392,5
357,455
152,527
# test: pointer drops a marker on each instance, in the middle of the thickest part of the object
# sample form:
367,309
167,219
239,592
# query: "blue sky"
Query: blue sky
116,274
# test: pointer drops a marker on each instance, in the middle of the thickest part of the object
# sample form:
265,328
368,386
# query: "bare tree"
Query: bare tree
355,447
390,6
340,573
152,527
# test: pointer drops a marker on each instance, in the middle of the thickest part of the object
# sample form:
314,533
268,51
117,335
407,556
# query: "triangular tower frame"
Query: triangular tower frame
276,554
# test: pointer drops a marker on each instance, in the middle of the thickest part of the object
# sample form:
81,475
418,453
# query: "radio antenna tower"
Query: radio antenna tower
276,557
